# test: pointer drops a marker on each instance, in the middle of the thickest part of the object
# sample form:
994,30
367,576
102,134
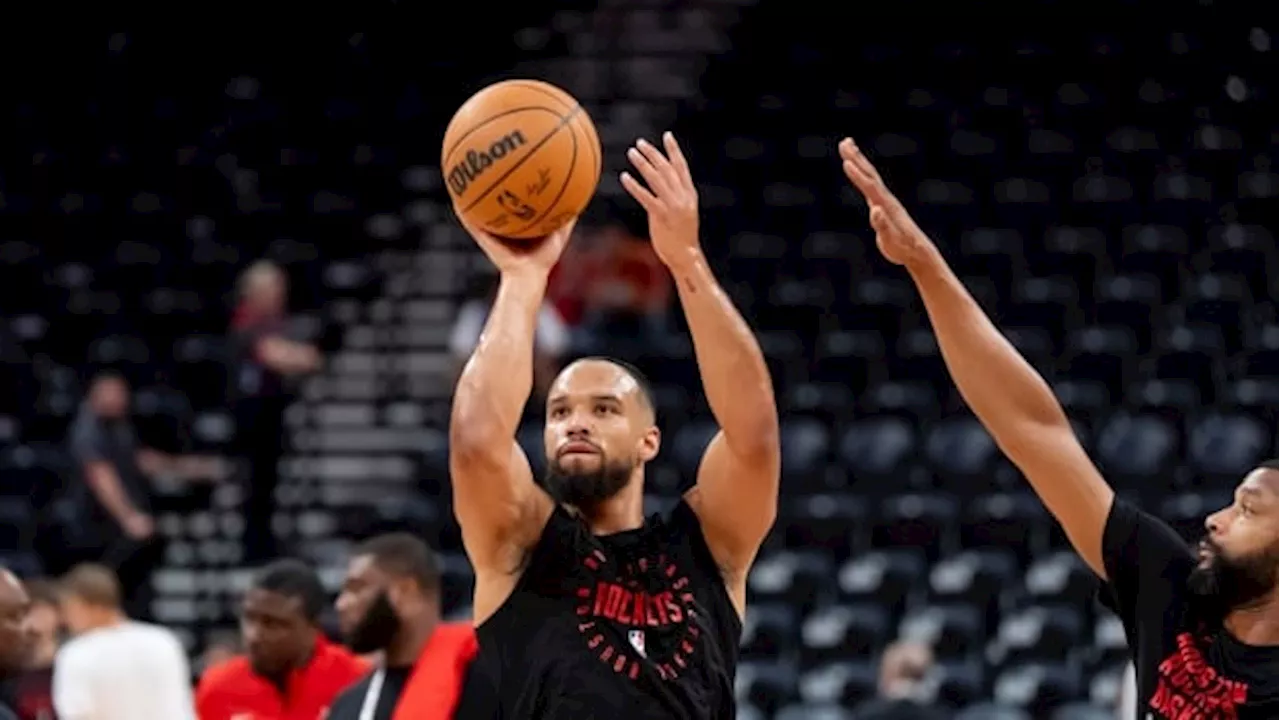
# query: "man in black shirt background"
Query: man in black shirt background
265,362
114,524
1202,625
390,604
16,637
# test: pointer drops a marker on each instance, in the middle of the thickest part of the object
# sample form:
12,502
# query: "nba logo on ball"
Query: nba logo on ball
637,641
520,159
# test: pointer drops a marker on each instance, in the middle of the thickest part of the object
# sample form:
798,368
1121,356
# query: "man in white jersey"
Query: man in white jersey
115,668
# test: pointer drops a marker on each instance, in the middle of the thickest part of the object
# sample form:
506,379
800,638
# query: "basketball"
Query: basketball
521,158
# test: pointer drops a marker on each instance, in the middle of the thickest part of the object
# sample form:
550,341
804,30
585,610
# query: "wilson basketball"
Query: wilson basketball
521,158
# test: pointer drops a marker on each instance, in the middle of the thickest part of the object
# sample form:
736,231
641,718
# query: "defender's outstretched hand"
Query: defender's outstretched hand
900,240
510,256
671,199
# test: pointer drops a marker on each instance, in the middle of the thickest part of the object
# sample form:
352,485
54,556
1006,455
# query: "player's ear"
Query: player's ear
650,443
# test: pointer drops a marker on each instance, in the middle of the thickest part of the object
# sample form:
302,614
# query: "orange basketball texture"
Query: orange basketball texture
521,158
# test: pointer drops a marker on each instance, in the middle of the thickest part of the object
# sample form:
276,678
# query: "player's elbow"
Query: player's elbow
473,431
757,442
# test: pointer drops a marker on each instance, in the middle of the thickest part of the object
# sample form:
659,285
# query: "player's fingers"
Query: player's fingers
871,189
676,155
850,151
638,191
666,180
642,164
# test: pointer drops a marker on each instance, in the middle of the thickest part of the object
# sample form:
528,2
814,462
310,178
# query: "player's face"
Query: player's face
599,430
16,636
366,616
277,635
1238,554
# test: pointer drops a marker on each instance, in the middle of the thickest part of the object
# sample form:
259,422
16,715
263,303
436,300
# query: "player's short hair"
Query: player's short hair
403,555
294,579
92,584
1271,464
42,591
642,380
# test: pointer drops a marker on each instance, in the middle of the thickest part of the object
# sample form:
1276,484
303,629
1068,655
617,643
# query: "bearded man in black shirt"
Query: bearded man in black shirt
584,608
1202,624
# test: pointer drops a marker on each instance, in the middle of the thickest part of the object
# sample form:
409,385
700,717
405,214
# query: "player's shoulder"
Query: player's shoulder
224,674
341,660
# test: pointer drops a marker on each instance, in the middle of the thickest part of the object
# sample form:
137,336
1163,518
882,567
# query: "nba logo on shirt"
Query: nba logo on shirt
637,640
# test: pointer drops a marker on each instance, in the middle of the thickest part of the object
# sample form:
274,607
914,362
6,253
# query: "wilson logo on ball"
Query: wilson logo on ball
476,162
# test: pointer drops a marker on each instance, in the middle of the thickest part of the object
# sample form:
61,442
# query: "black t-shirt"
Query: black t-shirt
636,625
94,439
251,378
1187,666
475,703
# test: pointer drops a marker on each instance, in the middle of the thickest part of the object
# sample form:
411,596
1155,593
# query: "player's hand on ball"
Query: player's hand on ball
536,256
671,199
900,240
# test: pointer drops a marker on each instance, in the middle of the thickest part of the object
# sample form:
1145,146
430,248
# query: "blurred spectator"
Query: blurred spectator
289,669
610,285
15,634
903,668
112,521
115,668
265,357
30,692
551,339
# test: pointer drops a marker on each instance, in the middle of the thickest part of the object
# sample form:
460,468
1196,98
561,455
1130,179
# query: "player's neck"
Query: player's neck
1256,623
407,645
102,618
620,513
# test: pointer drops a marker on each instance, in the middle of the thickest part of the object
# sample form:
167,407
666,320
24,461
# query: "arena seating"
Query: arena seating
1109,194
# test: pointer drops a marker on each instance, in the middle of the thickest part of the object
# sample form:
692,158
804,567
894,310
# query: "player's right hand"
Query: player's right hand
518,256
900,240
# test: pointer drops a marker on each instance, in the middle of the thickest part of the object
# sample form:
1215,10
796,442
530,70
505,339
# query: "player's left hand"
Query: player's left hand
671,200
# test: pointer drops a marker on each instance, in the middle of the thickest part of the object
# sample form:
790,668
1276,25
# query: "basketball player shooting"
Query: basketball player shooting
1201,622
584,609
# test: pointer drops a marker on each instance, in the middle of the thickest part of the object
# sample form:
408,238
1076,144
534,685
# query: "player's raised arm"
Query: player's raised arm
736,495
498,506
1013,402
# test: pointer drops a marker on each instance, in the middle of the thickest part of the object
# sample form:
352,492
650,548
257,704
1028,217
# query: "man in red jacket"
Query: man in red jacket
289,671
390,603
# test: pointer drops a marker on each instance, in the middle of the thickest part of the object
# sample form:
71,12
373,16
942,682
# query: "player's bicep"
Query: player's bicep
736,501
1070,486
496,502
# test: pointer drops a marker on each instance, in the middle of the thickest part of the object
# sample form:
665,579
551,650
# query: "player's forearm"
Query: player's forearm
734,375
496,381
1004,391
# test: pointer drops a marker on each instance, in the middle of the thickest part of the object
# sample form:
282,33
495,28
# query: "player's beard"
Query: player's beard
377,628
1224,584
588,489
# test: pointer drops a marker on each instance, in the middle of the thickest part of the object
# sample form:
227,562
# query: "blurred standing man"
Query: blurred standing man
115,668
264,359
16,638
115,502
390,604
1202,623
31,691
289,670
